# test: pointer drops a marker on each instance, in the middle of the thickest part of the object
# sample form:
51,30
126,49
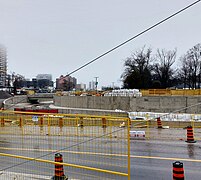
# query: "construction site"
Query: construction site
67,141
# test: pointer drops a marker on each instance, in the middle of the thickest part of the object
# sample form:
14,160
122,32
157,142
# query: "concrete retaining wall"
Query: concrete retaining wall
12,101
93,102
144,104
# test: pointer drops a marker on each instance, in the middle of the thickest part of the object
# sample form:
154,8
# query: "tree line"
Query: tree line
145,70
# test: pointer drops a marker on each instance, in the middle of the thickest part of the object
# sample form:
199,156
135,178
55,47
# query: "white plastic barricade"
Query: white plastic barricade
137,134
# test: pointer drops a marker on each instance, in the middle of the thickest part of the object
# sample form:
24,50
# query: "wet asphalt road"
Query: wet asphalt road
142,166
159,169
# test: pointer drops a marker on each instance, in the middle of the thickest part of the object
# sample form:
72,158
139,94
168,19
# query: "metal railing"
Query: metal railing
92,146
170,92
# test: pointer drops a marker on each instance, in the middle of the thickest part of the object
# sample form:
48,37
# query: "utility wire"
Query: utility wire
134,37
107,52
89,140
65,148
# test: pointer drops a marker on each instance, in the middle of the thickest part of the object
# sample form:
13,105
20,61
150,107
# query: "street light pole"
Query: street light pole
96,83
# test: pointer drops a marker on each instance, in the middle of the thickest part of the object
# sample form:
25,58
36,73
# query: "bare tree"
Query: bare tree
163,66
183,72
190,70
137,72
17,81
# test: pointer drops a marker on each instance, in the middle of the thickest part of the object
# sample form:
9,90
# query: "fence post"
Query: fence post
104,123
128,141
2,122
48,125
81,124
41,121
21,122
61,122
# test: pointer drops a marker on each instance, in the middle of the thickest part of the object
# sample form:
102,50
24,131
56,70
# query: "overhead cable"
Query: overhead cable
134,37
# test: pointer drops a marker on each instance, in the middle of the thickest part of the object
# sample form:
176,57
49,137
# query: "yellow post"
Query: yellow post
61,122
2,122
48,125
148,132
103,122
77,125
21,122
110,127
128,139
41,122
81,124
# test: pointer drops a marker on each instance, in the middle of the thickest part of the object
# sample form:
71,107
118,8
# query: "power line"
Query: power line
62,149
107,52
134,37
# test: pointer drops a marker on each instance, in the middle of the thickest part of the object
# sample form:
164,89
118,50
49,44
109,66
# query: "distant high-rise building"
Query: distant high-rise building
92,85
3,66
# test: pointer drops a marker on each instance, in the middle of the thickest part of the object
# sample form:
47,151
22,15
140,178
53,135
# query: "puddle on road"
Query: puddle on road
191,150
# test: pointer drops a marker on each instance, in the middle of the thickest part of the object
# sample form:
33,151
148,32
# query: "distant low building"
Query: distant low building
66,83
39,85
44,76
81,87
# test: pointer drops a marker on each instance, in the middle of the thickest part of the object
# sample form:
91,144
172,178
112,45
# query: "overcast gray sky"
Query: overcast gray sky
58,36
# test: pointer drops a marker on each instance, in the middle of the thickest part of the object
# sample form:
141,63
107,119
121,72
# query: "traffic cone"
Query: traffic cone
159,122
190,136
59,171
178,171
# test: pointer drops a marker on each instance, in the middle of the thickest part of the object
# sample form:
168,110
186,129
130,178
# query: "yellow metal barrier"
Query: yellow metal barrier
92,146
171,92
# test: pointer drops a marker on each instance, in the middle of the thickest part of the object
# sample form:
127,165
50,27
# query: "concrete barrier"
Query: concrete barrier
161,104
145,104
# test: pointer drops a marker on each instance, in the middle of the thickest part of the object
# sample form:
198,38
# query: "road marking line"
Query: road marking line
107,154
65,164
164,158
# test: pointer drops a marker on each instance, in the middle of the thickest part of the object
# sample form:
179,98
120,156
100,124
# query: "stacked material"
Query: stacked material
124,92
164,116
